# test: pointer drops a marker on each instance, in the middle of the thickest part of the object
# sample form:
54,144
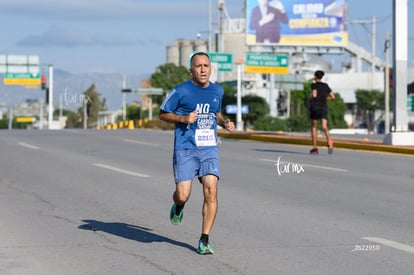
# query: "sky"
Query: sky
130,36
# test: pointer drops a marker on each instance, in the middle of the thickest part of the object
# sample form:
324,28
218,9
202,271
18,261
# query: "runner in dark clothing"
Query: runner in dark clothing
318,110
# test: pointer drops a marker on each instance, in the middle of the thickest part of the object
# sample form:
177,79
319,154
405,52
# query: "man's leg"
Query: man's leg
314,125
325,129
210,202
209,212
328,136
180,196
182,192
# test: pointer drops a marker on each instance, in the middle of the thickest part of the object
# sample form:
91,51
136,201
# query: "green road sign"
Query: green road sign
224,61
21,75
266,63
28,79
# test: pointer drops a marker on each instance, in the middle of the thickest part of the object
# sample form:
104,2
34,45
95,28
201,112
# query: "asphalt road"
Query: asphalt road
97,202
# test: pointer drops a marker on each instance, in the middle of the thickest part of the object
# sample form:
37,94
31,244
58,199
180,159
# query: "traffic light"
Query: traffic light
282,104
47,96
88,108
43,82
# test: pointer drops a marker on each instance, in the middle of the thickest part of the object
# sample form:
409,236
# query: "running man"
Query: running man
318,110
195,108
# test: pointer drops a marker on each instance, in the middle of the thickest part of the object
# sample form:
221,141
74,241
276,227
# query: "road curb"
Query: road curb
302,140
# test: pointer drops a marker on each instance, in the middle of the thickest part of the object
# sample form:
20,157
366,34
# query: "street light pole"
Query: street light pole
387,85
239,122
123,98
209,25
50,115
85,115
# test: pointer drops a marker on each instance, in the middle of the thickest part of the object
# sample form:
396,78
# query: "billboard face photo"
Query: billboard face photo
296,22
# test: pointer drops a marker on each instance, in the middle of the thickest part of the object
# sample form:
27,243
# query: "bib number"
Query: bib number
205,137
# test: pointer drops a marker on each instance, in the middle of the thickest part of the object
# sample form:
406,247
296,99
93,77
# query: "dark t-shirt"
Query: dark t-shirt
320,101
318,108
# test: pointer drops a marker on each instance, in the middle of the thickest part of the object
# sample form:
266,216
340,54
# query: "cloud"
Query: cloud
65,37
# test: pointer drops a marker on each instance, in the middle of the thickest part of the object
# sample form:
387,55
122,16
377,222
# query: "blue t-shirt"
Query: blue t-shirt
184,99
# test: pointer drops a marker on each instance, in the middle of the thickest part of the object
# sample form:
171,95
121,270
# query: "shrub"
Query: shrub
268,123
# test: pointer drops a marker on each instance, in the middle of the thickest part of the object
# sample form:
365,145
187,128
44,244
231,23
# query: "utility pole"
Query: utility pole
85,115
374,50
209,26
50,114
387,85
239,122
400,134
220,33
10,118
400,47
123,98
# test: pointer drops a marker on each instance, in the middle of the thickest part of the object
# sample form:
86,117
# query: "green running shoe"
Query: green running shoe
175,219
204,249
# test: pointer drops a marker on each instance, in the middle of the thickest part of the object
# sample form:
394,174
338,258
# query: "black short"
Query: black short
318,113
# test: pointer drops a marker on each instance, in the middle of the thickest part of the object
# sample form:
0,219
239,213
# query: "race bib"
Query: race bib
205,137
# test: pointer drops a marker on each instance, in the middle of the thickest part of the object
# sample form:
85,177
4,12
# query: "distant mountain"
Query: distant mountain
69,87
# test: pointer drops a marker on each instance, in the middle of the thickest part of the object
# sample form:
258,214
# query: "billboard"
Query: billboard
296,22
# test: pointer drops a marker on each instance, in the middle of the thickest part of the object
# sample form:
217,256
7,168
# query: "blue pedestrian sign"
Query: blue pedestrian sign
232,109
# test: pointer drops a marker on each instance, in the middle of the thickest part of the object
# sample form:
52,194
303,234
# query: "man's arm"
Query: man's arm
314,93
174,118
331,96
225,123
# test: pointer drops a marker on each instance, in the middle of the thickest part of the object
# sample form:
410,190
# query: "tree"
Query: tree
90,98
258,108
229,98
298,118
133,112
299,123
93,105
73,120
369,101
168,76
4,123
298,103
336,112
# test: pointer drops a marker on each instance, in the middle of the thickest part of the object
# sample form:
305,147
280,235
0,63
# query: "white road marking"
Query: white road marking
142,142
310,165
28,146
393,244
327,168
119,170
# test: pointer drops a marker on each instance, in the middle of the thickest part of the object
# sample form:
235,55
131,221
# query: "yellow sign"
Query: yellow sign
24,119
265,70
21,81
